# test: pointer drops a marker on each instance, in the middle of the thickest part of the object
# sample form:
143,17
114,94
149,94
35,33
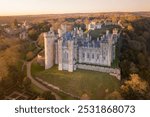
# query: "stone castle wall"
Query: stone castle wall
49,48
112,71
97,56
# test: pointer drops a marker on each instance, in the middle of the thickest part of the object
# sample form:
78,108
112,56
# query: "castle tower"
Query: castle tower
60,54
49,49
70,56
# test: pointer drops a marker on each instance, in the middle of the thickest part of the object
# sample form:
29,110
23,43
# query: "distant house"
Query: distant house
94,25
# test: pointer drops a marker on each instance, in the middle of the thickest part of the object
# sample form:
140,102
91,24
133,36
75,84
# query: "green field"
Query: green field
36,89
97,85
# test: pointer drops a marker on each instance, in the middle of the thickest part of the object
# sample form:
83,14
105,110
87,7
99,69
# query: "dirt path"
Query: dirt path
36,82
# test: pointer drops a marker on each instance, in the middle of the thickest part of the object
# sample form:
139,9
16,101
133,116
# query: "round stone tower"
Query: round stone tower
49,39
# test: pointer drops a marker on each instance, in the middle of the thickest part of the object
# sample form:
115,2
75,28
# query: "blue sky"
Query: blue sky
24,7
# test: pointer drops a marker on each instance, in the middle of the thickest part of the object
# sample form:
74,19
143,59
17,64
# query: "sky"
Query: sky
29,7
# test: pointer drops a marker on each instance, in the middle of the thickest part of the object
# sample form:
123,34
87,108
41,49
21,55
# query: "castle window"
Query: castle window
92,56
83,55
88,56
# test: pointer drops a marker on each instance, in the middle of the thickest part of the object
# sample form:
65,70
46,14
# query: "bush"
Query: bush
47,95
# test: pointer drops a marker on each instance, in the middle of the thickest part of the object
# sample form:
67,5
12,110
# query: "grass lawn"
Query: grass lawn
99,32
36,89
97,85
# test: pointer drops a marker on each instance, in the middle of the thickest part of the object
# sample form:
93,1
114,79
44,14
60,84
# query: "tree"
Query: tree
125,68
146,35
135,88
130,28
135,45
114,19
13,74
29,55
15,23
41,41
16,75
2,87
33,34
47,95
133,68
1,94
141,60
43,26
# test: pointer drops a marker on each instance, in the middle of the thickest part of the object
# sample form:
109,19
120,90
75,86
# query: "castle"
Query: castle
70,48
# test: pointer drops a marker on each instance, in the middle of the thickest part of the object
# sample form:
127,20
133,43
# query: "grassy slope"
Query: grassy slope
79,82
34,88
